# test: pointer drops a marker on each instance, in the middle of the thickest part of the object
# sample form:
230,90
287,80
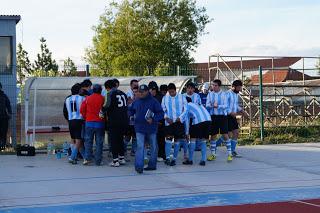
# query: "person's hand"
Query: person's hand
130,101
215,105
233,114
101,114
188,137
169,120
149,121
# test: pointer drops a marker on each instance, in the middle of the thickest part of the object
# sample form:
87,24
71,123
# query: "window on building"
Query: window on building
5,55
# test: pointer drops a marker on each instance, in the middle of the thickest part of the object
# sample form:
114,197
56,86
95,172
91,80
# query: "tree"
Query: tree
69,68
24,69
136,37
44,64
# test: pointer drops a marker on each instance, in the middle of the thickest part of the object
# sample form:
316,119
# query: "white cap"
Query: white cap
205,86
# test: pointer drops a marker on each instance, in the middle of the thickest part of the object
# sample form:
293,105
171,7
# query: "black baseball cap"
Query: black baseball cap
143,88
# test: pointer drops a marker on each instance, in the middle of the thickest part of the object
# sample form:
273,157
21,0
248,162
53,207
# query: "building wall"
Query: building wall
9,81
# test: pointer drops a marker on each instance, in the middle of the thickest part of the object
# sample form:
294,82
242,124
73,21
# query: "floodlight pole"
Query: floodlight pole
261,104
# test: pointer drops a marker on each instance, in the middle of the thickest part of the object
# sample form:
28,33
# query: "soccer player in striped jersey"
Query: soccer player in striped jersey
173,105
204,93
71,111
195,97
200,123
233,110
218,105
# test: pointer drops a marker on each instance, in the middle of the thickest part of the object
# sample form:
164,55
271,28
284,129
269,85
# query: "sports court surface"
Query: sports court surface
272,178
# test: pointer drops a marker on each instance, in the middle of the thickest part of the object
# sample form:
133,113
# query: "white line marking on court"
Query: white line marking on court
306,203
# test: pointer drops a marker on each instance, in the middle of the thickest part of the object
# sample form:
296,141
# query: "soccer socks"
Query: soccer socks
176,150
74,152
185,147
233,145
213,147
192,147
168,146
228,143
203,150
219,141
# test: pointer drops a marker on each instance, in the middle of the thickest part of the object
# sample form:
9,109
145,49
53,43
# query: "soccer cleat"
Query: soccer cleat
211,158
114,164
149,169
86,162
173,163
229,158
167,162
122,161
187,162
202,163
99,164
159,159
139,171
236,155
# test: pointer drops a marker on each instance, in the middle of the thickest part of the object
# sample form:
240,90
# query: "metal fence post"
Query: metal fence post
87,70
261,104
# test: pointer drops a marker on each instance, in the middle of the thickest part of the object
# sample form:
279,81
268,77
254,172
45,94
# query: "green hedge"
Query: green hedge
281,135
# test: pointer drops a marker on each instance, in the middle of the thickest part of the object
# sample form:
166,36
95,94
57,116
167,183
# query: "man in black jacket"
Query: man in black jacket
5,115
154,91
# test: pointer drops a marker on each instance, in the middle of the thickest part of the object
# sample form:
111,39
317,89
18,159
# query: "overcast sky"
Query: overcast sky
264,27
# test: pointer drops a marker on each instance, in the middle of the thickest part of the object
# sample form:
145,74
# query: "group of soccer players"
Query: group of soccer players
188,121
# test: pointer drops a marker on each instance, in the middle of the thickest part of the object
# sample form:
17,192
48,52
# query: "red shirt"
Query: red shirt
91,107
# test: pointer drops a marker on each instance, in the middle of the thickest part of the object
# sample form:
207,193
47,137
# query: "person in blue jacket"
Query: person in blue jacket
147,113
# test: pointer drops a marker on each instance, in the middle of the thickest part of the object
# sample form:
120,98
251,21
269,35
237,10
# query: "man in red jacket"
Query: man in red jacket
94,126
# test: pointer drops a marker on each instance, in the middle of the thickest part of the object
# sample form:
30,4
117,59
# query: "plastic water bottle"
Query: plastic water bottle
48,149
58,153
65,147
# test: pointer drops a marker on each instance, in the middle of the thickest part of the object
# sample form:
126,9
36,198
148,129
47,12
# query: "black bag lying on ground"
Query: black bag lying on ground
26,150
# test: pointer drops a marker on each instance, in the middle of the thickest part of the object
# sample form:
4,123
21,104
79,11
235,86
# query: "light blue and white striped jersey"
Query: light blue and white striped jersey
195,97
130,94
233,102
104,93
173,107
73,104
198,113
221,99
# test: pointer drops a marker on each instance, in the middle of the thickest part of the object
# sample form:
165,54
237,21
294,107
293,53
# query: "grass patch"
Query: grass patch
282,135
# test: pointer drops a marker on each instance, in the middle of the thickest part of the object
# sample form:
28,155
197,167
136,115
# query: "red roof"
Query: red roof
81,73
201,69
280,76
284,62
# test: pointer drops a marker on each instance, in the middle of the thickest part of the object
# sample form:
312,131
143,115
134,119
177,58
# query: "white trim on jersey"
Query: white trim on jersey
195,97
221,99
173,107
198,113
73,104
233,102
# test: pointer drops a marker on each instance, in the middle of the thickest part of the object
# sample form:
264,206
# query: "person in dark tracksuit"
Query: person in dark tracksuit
154,91
116,111
147,113
5,116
